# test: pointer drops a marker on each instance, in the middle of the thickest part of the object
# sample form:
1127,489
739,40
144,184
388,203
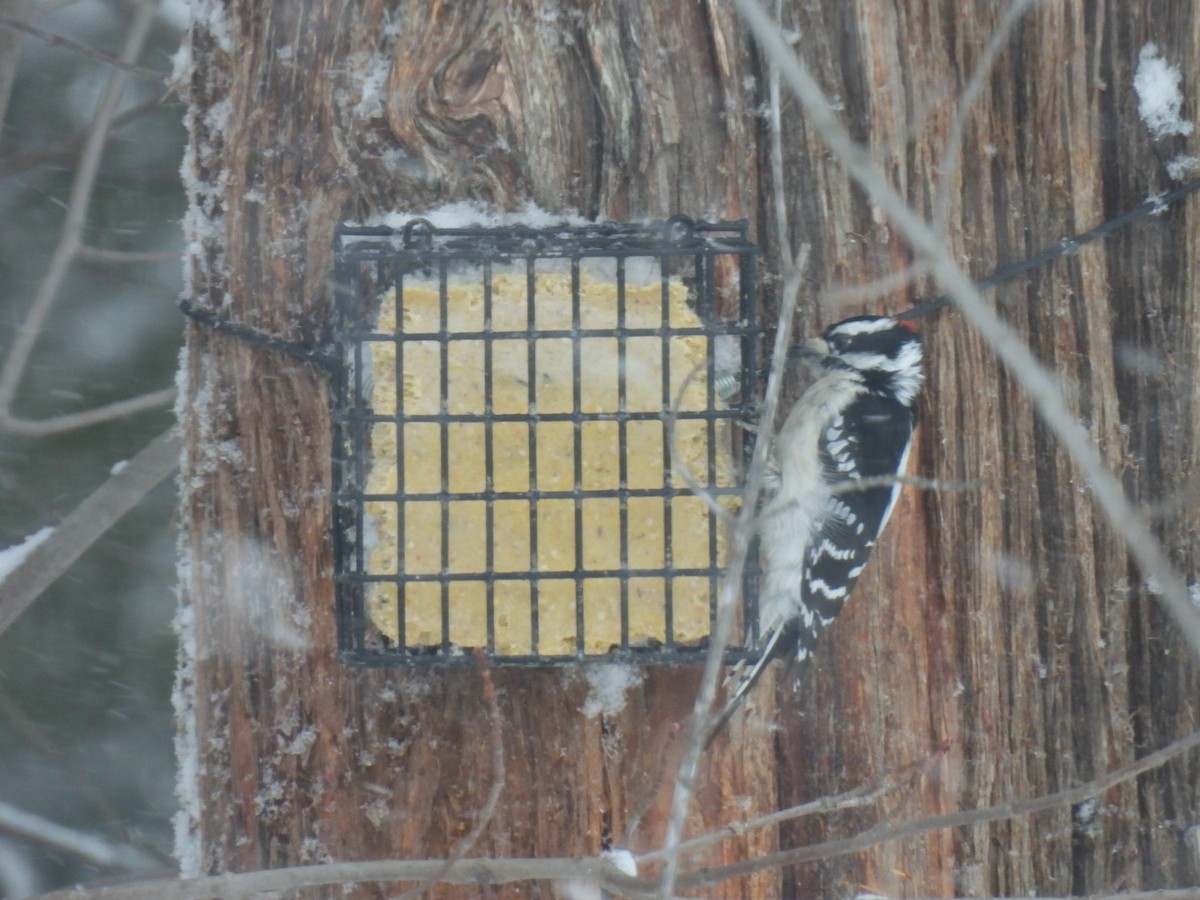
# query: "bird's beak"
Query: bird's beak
811,351
816,346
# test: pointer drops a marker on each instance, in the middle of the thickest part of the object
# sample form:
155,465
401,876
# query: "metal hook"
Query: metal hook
418,234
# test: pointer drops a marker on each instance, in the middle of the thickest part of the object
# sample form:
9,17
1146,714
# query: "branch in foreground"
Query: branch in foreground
38,428
85,524
853,799
1033,378
90,848
952,153
499,777
739,549
508,871
62,149
863,795
238,885
101,810
70,240
887,834
57,40
127,257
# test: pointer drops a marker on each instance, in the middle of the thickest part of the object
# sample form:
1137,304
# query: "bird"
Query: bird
831,483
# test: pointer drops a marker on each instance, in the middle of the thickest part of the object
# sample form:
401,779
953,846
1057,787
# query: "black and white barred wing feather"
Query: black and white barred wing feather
806,582
863,449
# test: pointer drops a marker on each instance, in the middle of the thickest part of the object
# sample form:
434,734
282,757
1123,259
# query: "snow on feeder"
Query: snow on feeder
504,406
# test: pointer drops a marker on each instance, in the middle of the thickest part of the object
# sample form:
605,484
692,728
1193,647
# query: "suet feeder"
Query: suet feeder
505,404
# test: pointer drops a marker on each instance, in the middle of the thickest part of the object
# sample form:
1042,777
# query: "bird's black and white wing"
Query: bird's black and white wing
832,484
867,442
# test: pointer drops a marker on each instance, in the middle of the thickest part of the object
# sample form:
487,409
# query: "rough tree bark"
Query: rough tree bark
1005,623
999,647
304,115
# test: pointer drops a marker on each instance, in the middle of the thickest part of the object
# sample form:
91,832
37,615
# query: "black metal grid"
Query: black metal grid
373,262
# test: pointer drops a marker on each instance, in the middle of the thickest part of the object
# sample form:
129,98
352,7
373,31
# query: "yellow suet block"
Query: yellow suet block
518,524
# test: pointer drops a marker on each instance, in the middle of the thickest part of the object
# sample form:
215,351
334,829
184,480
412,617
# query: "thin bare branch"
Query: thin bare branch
10,49
507,871
467,871
36,428
53,755
914,827
498,779
834,297
660,777
1037,383
859,797
89,848
779,195
1182,498
85,524
63,148
72,230
952,152
913,481
13,24
745,528
731,586
679,465
473,871
126,257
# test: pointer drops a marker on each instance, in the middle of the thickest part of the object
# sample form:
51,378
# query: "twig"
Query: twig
33,735
915,481
89,848
1038,384
660,776
233,886
471,871
952,152
498,779
876,481
64,147
730,588
860,796
507,871
876,836
779,194
504,871
72,421
10,55
125,257
863,795
744,530
1182,498
679,465
859,293
82,49
85,524
69,242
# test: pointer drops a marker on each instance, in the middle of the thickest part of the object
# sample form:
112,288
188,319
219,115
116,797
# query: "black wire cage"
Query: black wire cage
522,418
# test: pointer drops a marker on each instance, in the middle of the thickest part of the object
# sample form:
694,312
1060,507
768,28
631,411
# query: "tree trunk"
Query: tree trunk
1004,622
304,116
999,647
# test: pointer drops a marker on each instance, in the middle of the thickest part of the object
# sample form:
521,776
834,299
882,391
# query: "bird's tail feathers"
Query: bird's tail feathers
775,646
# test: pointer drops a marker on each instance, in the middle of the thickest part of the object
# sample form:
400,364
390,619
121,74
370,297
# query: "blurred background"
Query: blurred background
86,673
